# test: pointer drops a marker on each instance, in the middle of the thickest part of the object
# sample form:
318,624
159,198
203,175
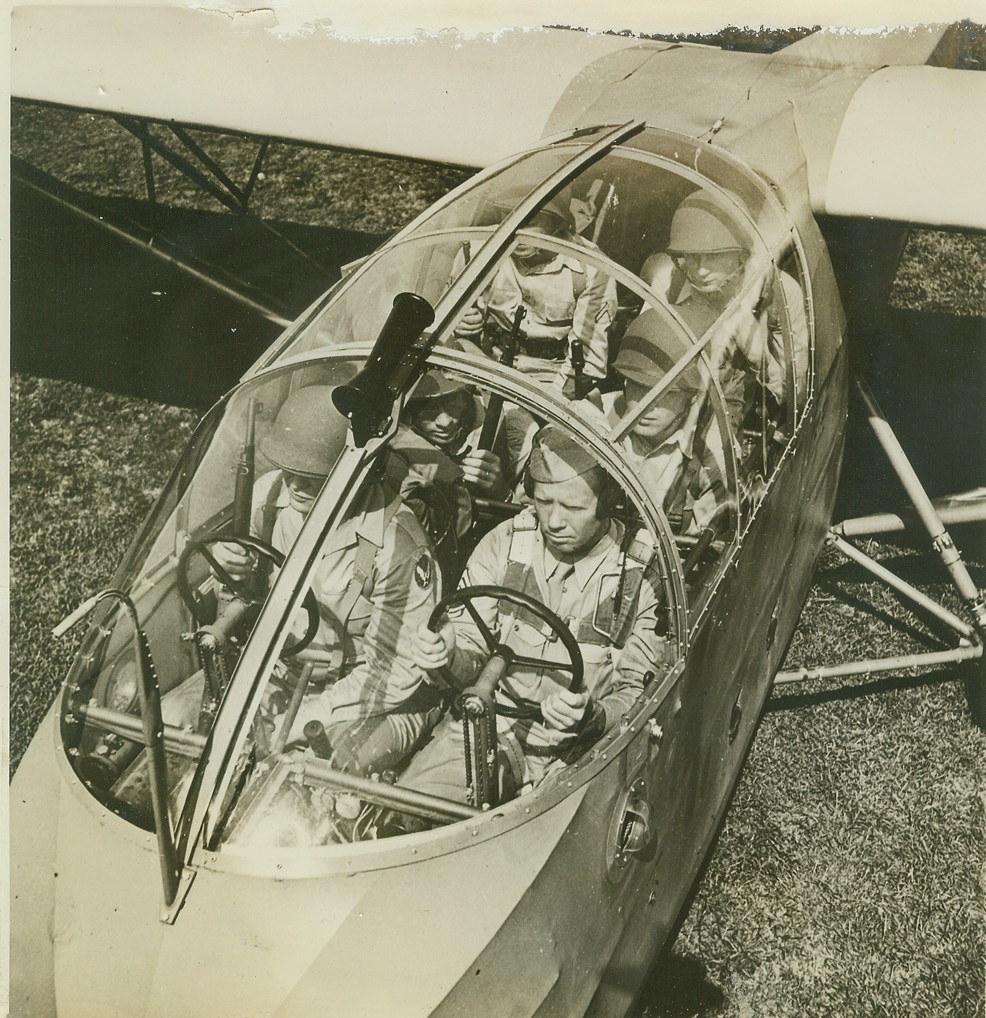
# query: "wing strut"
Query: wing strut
971,636
234,198
126,230
941,541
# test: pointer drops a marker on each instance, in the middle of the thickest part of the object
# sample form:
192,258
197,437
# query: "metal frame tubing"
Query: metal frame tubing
886,664
903,587
940,539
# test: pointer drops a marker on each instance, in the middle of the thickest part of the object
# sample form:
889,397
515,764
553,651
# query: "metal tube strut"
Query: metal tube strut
234,199
967,508
903,587
940,539
886,664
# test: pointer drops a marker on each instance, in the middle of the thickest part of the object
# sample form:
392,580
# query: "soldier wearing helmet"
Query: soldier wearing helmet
446,413
376,576
569,552
565,300
707,250
676,445
708,262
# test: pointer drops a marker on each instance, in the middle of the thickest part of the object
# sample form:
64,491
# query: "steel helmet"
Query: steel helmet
651,347
308,434
703,223
434,384
557,210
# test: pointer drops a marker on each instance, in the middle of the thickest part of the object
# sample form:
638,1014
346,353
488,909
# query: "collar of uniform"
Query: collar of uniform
675,443
585,567
442,459
283,499
368,521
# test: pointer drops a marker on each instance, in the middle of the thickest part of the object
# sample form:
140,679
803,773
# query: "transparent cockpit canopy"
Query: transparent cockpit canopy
195,628
620,204
694,393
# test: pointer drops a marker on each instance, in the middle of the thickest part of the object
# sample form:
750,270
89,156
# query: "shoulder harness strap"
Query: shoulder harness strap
265,516
519,573
361,582
579,280
613,620
676,285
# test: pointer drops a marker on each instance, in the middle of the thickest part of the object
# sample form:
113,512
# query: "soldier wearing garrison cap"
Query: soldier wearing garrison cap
568,552
565,300
675,445
376,576
708,262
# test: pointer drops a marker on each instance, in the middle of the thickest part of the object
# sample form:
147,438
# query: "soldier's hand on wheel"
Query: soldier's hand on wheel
432,651
239,562
564,710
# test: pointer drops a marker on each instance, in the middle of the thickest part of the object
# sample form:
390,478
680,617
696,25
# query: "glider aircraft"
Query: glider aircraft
227,866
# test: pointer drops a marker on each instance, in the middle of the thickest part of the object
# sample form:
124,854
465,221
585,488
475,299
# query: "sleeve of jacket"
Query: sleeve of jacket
404,591
595,310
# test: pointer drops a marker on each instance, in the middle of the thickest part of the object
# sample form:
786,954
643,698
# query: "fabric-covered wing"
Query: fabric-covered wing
439,98
880,140
912,147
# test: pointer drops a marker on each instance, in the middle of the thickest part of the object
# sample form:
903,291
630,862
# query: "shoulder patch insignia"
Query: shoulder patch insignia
423,572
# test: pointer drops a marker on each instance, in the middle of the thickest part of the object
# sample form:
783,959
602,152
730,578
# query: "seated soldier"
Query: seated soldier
675,445
565,299
705,267
567,552
444,414
436,462
376,577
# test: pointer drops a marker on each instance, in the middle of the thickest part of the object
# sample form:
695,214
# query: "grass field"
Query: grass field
848,879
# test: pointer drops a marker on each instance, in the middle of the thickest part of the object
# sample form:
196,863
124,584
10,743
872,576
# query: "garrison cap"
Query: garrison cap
651,347
557,456
703,224
308,433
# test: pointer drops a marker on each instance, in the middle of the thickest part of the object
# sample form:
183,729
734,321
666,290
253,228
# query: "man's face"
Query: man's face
665,416
529,255
566,512
708,271
302,490
441,419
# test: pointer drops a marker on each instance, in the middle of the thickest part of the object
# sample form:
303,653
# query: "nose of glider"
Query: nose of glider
389,927
33,874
